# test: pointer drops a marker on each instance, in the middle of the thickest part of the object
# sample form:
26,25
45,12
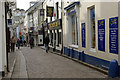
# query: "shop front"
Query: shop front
55,35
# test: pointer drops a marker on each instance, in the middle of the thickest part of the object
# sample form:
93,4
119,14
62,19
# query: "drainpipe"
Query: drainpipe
6,10
62,26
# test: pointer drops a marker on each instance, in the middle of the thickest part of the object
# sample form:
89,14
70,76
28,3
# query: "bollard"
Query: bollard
113,69
83,56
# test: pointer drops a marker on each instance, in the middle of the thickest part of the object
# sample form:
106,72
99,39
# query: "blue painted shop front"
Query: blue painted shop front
86,58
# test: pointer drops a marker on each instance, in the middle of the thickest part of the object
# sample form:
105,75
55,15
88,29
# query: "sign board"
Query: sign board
113,35
41,12
55,24
71,10
50,11
83,35
40,37
101,35
9,21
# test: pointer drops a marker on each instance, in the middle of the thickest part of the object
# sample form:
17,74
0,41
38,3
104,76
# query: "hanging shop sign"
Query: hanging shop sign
31,29
83,35
9,21
50,11
40,32
101,35
41,12
71,10
55,24
113,35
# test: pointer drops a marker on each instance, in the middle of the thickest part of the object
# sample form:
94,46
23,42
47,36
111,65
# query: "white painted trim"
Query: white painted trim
73,46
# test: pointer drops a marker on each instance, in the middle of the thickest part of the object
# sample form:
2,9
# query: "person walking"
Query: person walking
46,41
31,42
18,44
13,44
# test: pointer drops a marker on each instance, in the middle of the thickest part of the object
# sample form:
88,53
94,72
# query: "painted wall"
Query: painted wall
2,38
103,10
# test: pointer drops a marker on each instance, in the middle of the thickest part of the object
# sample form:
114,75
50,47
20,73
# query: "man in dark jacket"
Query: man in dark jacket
46,41
31,42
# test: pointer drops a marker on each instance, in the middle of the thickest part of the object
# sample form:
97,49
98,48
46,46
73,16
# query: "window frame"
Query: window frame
90,28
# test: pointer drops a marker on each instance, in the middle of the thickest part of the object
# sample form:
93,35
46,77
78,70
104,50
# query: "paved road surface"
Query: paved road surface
47,65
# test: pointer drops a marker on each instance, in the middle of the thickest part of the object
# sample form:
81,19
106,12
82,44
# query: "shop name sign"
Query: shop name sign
113,35
55,25
71,10
50,11
83,35
101,35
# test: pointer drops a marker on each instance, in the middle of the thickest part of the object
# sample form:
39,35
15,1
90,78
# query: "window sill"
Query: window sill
93,50
74,46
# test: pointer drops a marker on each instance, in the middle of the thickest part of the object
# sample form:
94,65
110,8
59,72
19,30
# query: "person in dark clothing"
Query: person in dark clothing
13,44
18,44
46,41
31,42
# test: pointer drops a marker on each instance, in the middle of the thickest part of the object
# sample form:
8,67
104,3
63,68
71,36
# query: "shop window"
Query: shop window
92,26
74,30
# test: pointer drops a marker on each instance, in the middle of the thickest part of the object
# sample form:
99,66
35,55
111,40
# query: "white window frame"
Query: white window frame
89,18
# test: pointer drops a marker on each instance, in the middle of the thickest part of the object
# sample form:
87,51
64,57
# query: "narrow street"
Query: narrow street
36,63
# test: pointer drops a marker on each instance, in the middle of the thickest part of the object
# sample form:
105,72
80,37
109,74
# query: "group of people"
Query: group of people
31,42
18,43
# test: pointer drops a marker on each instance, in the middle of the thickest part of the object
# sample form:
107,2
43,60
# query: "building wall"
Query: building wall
103,10
2,38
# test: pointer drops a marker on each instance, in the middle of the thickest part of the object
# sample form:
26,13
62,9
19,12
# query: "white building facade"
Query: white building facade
92,27
54,23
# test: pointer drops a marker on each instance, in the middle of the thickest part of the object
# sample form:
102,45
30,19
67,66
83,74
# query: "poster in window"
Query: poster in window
50,11
101,35
9,21
113,35
83,35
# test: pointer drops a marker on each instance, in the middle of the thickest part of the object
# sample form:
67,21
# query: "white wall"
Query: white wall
2,38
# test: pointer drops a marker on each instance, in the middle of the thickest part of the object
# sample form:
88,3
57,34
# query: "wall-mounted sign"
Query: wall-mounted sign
31,28
71,10
41,12
113,35
83,35
40,32
9,21
55,24
50,11
101,35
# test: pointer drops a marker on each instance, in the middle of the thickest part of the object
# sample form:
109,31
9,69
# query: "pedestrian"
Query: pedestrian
25,43
13,44
18,44
31,42
46,41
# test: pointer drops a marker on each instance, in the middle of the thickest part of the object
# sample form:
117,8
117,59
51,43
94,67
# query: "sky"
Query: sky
23,4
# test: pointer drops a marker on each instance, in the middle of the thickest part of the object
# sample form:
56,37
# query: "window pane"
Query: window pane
73,29
76,32
92,19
